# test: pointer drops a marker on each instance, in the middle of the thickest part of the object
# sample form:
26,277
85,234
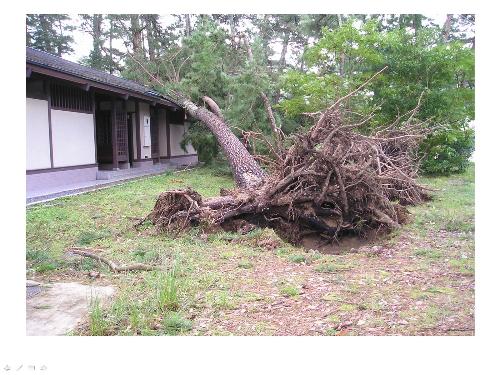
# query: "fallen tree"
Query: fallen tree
333,181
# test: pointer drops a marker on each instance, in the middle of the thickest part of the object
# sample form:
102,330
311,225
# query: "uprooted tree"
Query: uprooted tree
332,181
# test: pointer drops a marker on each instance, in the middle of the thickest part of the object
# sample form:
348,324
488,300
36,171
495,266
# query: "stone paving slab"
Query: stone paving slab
39,196
59,308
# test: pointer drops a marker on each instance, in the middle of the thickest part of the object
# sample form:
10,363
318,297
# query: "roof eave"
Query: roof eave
87,83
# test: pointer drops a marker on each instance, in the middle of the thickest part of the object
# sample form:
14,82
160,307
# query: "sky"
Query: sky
83,41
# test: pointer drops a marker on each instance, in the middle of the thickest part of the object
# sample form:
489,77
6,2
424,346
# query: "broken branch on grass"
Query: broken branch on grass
89,253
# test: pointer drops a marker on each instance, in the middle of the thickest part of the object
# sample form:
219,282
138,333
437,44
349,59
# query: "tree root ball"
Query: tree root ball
331,182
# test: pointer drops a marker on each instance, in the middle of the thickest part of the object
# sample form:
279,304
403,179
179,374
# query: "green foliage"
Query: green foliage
448,151
210,67
42,261
289,290
97,321
88,237
202,141
418,62
50,33
245,263
175,324
332,267
168,298
297,258
322,58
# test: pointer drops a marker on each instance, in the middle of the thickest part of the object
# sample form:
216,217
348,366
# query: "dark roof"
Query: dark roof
52,62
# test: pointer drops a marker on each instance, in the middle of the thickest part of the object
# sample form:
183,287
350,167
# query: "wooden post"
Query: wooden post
92,93
49,105
157,118
122,102
167,119
114,138
138,130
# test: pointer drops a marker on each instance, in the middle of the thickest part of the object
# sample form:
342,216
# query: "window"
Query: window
35,89
70,98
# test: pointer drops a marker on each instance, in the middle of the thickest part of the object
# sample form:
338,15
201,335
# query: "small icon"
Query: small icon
31,367
19,368
43,368
6,368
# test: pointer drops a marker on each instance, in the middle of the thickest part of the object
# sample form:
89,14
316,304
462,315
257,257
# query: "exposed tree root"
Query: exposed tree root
84,252
334,180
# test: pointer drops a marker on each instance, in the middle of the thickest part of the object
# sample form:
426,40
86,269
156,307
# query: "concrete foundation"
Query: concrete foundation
53,179
183,160
142,164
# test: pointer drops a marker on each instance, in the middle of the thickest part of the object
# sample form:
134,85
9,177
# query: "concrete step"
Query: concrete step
123,173
120,176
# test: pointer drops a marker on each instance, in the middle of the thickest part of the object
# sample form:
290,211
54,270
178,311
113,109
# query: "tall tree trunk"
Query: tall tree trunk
342,54
232,29
265,39
284,49
59,46
187,21
416,23
150,38
97,31
447,28
96,59
246,171
45,26
135,29
111,29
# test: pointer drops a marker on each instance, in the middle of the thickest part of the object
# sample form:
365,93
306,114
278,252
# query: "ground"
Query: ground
418,281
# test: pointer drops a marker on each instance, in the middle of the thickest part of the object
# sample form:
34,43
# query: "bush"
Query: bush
448,151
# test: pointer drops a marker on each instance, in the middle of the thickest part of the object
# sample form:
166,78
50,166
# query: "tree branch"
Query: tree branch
113,266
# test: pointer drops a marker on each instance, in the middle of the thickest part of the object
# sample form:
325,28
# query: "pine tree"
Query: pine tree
50,33
93,25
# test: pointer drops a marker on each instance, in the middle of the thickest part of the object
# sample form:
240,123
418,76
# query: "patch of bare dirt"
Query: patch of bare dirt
376,290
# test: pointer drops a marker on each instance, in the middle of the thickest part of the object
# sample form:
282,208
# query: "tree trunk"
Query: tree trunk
187,21
447,28
212,105
246,171
111,27
136,31
277,133
150,38
232,29
97,31
284,49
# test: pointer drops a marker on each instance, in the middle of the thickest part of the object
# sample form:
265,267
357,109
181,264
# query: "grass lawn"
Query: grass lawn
418,281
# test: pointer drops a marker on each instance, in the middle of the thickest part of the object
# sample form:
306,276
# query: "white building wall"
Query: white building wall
72,138
176,135
37,134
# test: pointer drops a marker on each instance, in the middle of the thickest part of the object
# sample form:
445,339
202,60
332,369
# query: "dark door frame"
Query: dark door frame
130,124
